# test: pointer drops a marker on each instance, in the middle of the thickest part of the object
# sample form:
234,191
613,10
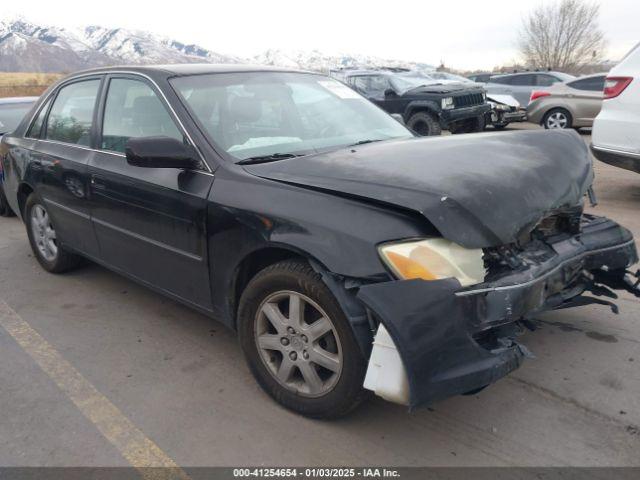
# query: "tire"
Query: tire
479,124
5,209
285,349
557,118
52,256
500,126
425,124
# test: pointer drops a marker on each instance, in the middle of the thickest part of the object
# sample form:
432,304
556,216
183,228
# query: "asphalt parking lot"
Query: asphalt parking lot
113,363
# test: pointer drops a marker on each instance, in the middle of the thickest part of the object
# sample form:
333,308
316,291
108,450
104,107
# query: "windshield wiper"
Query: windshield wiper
267,158
363,142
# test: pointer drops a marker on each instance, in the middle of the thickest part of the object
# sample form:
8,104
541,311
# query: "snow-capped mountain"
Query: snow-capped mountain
130,46
28,47
318,61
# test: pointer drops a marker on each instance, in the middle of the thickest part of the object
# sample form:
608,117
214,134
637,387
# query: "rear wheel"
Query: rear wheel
424,124
298,343
557,118
44,240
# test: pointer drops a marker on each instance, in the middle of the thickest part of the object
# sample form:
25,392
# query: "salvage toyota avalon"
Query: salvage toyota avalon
349,255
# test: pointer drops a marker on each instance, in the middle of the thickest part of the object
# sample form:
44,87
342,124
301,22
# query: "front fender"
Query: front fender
419,105
340,233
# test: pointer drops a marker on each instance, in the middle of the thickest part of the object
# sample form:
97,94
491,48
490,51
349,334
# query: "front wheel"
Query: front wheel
425,124
51,255
298,343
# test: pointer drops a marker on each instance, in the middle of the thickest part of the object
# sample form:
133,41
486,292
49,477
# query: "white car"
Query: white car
616,129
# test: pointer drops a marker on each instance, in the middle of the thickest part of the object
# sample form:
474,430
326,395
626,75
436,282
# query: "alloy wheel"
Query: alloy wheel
298,343
557,120
44,233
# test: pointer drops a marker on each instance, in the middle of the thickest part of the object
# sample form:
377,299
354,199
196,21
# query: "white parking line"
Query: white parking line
134,445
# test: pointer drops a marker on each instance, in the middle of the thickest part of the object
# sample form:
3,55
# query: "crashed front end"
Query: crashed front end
453,339
507,205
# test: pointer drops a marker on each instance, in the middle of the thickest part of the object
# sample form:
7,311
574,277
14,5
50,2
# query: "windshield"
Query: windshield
449,76
403,83
256,114
11,115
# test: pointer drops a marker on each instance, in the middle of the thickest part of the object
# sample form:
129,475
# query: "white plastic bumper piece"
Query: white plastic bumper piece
386,375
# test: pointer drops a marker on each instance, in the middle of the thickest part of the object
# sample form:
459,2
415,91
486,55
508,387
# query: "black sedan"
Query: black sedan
12,110
348,255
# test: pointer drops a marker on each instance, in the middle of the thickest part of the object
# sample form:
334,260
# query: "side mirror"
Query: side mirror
390,92
160,152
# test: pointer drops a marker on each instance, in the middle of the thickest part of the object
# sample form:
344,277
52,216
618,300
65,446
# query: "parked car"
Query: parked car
504,110
427,105
520,85
480,77
571,104
343,250
11,112
616,130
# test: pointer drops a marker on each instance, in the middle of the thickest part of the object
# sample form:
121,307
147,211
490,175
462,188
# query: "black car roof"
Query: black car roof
189,69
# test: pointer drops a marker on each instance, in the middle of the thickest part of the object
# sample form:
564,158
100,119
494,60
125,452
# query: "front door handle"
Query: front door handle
97,185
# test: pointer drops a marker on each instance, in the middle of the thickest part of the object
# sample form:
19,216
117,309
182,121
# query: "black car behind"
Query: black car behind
427,105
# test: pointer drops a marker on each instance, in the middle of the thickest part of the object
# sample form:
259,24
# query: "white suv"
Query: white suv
616,130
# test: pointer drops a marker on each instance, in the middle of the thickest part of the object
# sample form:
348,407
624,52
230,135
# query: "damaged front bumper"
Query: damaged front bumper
455,340
449,117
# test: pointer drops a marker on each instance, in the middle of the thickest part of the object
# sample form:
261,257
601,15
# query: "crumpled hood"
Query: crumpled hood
478,190
442,87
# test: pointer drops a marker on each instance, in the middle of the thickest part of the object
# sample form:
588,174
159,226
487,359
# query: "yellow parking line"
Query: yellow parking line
134,445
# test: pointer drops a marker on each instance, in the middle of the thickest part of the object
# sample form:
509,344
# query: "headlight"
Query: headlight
433,259
447,103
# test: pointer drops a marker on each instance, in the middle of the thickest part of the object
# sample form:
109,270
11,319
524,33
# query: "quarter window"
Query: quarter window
593,84
71,116
36,127
524,80
133,110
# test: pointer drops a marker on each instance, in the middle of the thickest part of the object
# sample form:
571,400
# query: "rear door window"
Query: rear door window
133,109
502,80
523,80
71,116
